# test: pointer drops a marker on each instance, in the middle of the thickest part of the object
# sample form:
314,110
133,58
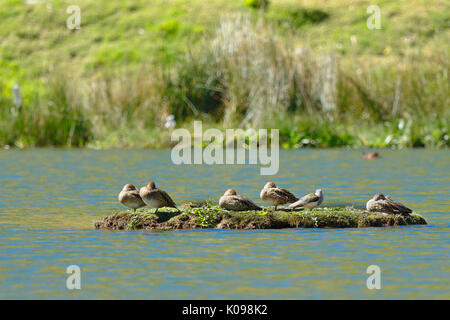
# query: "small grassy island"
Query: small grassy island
195,216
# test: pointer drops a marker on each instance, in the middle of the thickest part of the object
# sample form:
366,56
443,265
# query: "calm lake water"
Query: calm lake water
50,198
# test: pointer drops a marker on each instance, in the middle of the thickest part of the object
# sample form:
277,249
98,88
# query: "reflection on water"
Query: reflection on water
50,199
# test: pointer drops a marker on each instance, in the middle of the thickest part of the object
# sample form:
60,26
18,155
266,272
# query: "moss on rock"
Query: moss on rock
211,216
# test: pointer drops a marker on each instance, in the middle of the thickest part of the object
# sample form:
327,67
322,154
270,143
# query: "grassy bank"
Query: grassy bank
215,217
314,71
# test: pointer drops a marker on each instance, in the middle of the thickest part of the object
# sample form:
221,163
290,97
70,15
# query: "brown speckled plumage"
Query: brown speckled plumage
156,198
276,196
232,201
380,203
310,201
129,197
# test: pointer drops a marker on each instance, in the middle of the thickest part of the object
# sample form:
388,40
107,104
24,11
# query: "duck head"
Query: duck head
129,187
230,192
270,185
379,196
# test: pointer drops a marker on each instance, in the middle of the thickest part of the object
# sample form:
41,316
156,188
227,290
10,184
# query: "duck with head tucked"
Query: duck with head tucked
310,201
129,197
156,198
380,203
232,201
276,196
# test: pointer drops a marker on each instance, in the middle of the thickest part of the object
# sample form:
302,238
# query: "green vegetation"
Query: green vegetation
256,4
317,73
211,216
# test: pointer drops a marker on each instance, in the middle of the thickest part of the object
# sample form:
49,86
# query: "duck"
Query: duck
232,201
156,198
382,203
309,201
371,155
129,197
276,196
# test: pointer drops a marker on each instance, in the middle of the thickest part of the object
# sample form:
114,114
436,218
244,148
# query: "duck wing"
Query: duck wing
247,203
385,206
284,194
397,206
167,199
312,197
133,196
